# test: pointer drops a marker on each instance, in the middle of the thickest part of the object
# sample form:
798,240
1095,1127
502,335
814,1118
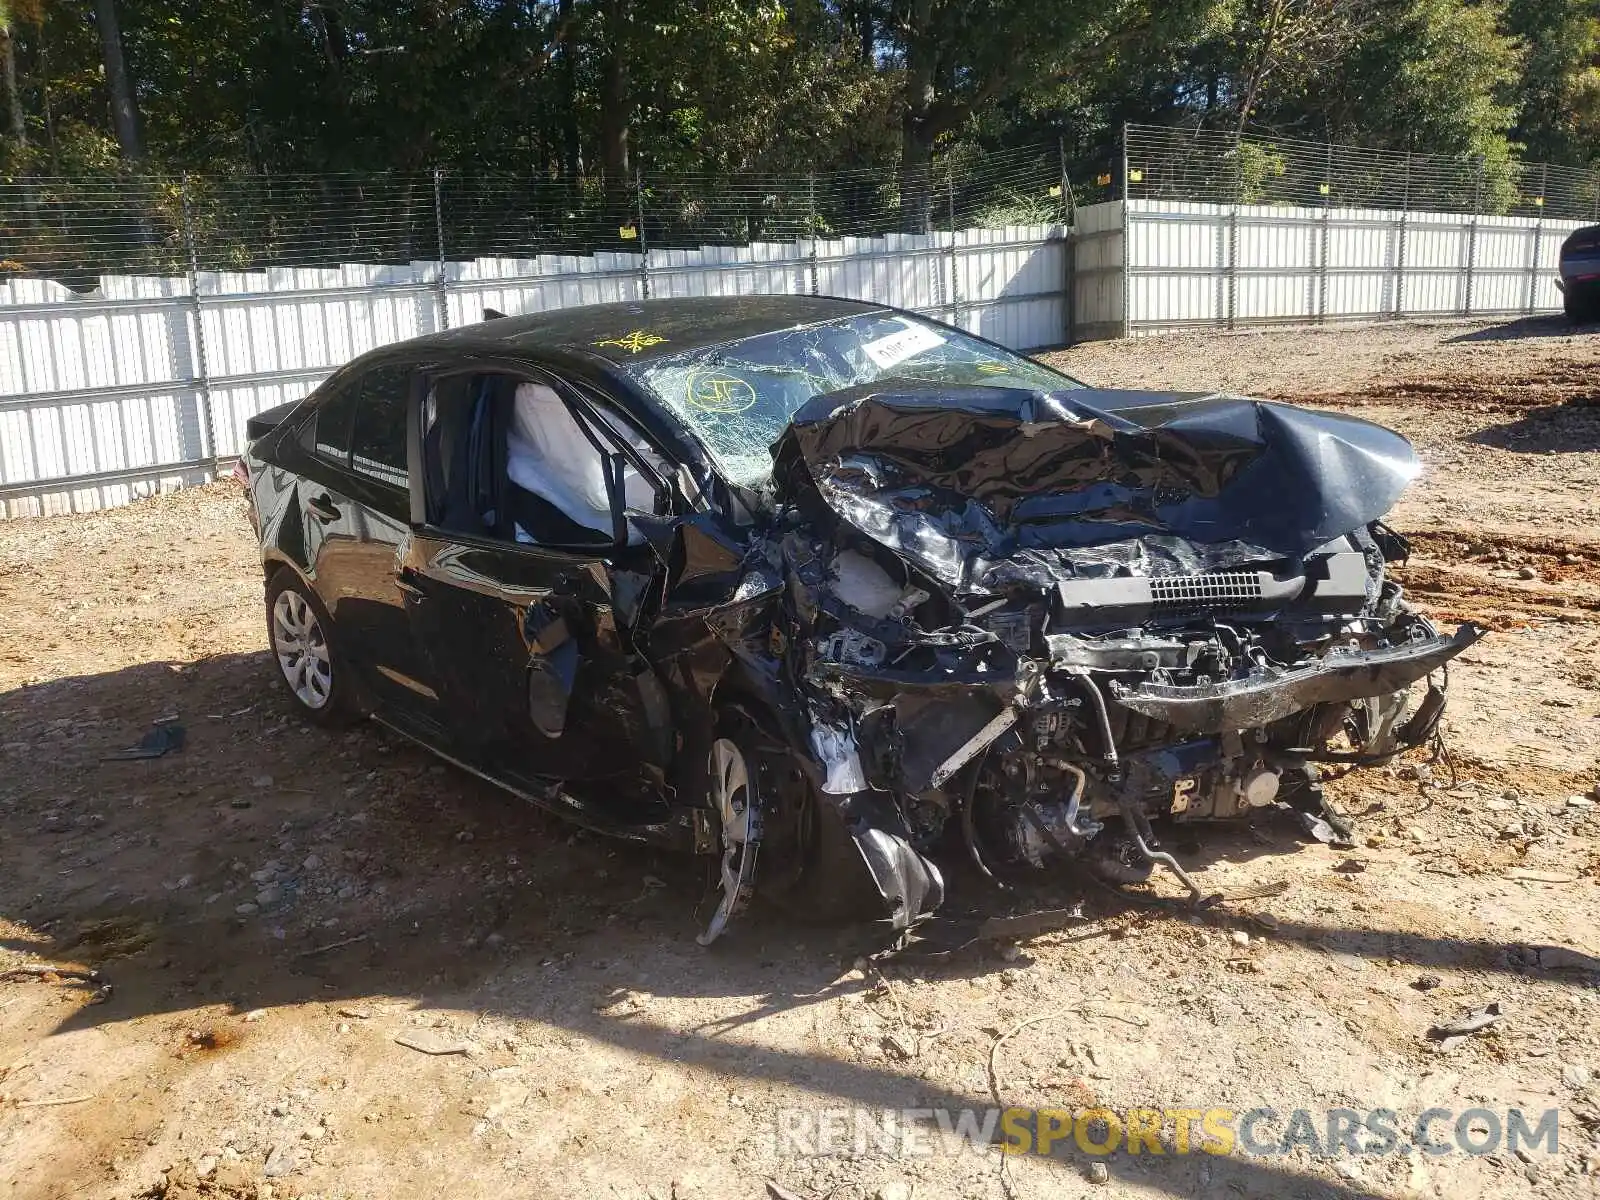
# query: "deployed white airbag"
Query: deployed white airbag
549,455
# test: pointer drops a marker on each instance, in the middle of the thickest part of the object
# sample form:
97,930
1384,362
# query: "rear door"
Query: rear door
356,512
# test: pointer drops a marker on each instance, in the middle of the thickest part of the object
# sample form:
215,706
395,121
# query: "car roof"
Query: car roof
630,332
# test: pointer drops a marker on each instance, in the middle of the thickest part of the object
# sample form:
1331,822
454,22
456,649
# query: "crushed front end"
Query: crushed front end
1046,621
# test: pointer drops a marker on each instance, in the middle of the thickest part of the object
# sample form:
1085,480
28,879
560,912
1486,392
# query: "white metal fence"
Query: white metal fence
1148,265
147,383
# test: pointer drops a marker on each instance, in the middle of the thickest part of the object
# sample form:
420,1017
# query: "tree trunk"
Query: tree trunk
916,129
44,99
916,175
571,147
1269,45
124,109
8,68
866,32
615,99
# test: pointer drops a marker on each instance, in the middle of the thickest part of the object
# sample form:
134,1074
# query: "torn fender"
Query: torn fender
1269,694
911,885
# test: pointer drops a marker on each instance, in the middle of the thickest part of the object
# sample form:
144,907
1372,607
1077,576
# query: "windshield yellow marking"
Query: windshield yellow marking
639,339
715,392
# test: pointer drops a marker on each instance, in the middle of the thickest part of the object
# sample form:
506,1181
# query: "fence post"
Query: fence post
811,227
202,380
1322,256
1472,262
955,259
1124,162
439,284
1401,247
1233,266
644,245
1536,248
1472,236
1127,242
1400,266
1127,271
1070,247
932,234
1538,237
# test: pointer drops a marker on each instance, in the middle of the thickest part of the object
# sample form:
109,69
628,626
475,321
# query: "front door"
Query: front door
529,643
504,629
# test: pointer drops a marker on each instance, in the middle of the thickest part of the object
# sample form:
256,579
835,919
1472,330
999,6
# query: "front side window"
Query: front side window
510,458
737,397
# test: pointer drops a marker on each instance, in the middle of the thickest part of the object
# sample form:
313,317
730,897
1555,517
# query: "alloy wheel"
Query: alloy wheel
302,649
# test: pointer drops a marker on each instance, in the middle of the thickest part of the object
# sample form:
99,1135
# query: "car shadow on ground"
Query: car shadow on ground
1544,325
398,876
1572,427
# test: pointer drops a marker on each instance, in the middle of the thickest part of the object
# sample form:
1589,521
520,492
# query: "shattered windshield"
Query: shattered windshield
739,396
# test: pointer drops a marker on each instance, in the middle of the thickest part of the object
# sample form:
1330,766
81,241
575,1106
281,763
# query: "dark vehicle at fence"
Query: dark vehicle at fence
828,591
1579,278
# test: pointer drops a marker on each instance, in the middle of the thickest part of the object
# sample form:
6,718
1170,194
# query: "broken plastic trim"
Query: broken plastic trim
970,748
1272,693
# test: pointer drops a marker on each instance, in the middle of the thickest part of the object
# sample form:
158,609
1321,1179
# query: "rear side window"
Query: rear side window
378,445
330,426
362,425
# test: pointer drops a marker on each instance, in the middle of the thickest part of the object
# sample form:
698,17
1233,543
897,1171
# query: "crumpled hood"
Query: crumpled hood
983,487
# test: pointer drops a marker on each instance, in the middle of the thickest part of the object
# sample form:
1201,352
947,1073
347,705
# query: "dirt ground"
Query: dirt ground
273,907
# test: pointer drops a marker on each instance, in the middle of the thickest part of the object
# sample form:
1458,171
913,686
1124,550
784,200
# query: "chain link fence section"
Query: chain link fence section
75,230
1215,167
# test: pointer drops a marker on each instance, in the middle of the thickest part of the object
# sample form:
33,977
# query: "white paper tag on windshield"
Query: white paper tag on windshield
897,347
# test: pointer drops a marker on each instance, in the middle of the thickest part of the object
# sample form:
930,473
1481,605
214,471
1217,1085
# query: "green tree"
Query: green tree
955,59
1558,93
1430,75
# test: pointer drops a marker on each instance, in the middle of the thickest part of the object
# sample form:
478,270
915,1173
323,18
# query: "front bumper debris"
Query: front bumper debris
1269,694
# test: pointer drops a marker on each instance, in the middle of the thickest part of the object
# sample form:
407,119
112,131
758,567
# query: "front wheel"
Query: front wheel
766,805
301,634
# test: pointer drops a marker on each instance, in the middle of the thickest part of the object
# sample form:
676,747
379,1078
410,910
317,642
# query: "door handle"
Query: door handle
323,508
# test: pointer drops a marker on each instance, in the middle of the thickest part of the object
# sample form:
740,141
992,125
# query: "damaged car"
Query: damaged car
833,594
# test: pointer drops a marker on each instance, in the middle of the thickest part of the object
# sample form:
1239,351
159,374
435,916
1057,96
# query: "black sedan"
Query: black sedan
1578,277
833,583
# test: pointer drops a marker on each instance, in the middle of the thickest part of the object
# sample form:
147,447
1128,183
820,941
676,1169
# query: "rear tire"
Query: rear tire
301,636
1579,309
